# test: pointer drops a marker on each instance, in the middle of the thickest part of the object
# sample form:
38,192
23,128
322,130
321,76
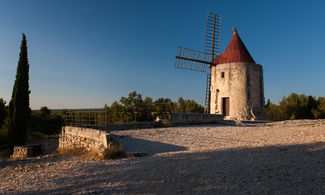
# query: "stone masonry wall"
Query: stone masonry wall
79,137
256,100
21,152
243,84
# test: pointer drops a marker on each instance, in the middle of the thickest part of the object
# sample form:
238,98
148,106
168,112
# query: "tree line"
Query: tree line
132,108
135,108
296,107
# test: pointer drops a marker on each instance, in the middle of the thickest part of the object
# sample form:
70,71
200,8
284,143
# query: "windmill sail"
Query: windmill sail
212,47
207,94
192,59
203,61
212,36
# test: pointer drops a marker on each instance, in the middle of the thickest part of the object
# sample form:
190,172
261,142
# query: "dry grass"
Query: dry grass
114,150
80,152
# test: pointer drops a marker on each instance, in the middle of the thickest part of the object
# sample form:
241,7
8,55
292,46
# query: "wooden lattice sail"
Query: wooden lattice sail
202,61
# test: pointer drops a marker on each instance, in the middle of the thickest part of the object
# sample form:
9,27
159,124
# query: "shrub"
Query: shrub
296,107
3,137
49,123
113,150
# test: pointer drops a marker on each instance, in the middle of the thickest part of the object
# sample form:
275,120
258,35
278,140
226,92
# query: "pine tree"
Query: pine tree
3,112
19,110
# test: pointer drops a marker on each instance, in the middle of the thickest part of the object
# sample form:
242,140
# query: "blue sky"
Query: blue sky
84,54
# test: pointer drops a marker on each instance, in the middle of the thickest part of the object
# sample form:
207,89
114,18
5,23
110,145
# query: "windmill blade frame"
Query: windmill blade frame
213,35
202,61
211,46
190,59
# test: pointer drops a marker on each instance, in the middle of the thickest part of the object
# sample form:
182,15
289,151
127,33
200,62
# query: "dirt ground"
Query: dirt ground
266,158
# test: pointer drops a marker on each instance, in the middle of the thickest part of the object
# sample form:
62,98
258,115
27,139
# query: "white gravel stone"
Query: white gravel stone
268,158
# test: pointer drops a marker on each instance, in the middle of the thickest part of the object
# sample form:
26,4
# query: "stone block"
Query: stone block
21,152
90,139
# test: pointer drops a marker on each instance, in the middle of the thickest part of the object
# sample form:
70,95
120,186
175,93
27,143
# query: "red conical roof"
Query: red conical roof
235,52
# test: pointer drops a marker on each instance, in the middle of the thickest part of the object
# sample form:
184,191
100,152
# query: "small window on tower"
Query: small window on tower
222,74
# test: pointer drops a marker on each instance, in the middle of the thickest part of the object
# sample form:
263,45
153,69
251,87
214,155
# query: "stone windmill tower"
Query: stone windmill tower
237,89
234,81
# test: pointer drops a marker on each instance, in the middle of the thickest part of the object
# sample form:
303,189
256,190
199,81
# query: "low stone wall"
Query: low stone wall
21,152
180,118
79,137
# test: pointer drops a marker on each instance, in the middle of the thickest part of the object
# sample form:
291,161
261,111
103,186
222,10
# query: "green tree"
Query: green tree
3,112
301,106
268,103
19,110
171,106
106,107
296,107
115,112
149,109
275,112
293,106
135,108
45,112
321,107
181,104
131,106
45,122
192,106
312,105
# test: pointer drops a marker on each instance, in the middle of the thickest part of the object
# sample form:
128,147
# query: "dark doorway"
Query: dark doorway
225,106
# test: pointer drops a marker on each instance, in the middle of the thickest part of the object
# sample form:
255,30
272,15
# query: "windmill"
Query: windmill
202,61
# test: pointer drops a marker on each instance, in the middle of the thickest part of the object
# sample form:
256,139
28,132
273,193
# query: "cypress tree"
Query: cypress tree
19,110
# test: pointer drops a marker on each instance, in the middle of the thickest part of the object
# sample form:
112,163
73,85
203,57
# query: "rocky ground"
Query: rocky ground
267,158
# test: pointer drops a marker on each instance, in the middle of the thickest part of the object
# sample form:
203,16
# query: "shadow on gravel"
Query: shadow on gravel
131,144
30,161
290,169
49,146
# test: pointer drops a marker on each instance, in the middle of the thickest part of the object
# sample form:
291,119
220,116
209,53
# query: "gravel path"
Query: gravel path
269,158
